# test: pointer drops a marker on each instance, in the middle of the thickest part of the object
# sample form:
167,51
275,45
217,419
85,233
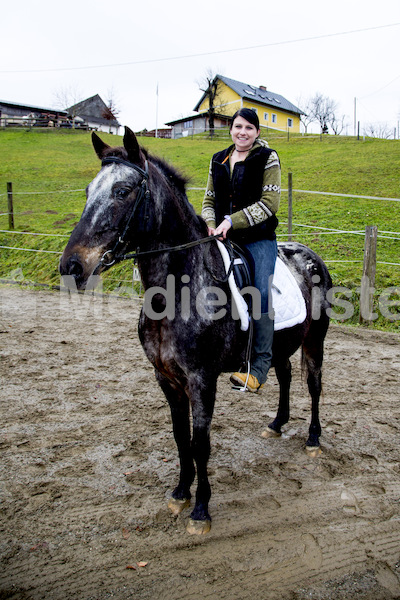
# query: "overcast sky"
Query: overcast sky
127,49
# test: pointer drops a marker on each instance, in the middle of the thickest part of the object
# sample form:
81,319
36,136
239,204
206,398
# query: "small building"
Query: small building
199,123
96,114
14,114
273,110
163,132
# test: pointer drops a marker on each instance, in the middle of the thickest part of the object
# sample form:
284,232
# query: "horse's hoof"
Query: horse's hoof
198,527
176,506
270,433
313,451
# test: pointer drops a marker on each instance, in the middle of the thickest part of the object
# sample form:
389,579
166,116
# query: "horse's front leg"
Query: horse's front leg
202,400
179,406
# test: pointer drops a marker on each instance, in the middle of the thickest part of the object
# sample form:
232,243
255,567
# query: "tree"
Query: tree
210,85
322,109
306,107
66,98
337,123
378,130
112,110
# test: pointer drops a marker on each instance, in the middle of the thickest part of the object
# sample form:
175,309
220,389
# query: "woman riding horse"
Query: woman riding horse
242,197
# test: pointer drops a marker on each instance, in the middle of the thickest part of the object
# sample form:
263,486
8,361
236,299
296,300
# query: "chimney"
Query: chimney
263,88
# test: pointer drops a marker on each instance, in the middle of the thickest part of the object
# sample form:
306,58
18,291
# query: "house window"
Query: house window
274,118
265,116
188,124
290,122
253,108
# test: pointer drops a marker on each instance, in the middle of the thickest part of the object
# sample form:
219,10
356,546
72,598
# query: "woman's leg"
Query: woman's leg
263,253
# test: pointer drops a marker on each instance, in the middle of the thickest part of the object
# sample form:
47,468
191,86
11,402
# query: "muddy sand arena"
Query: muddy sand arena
88,462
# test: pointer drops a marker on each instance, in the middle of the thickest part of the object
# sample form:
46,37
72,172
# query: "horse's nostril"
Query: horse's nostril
73,267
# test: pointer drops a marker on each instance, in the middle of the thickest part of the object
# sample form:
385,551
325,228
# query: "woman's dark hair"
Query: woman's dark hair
248,114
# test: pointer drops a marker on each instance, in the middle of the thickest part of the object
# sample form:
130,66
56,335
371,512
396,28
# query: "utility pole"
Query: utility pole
355,116
157,111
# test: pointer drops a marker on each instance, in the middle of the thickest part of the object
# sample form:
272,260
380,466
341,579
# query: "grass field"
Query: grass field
46,167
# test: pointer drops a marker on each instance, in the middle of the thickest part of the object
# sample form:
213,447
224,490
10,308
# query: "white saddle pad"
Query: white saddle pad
287,299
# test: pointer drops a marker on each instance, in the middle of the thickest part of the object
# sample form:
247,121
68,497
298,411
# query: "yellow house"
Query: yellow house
273,110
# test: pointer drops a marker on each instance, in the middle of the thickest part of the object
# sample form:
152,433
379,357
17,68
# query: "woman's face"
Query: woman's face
243,134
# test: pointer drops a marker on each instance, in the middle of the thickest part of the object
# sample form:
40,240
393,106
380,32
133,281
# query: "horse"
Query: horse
137,208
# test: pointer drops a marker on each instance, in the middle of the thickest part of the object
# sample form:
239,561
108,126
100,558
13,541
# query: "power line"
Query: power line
382,88
166,59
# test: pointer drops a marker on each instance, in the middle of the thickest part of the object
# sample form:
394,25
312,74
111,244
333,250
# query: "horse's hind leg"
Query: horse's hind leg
312,358
283,370
179,406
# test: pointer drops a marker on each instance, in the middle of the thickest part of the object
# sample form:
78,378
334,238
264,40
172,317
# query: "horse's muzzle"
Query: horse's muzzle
73,266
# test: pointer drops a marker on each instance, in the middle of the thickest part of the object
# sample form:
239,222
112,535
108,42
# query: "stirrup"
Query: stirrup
244,387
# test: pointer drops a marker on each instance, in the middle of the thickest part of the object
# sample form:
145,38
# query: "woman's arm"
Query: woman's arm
208,208
268,204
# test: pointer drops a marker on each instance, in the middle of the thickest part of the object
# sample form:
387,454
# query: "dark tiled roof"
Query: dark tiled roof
257,94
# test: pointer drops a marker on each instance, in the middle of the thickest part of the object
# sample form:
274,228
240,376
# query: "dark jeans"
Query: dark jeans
263,254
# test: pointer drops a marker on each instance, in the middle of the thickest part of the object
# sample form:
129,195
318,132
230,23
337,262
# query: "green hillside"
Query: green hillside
49,169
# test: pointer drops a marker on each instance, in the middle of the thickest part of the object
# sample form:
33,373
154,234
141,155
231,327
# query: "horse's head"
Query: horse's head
113,198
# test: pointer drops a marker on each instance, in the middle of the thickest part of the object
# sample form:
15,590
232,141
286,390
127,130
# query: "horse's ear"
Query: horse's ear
131,146
98,144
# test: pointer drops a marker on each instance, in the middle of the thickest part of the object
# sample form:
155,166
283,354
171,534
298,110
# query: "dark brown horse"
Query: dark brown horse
138,204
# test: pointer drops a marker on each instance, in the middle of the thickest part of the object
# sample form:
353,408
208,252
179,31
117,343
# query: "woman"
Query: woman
241,199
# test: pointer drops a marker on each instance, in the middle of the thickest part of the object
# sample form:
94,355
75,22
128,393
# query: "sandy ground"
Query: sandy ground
88,462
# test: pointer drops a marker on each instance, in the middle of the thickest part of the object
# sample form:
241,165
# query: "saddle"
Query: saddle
287,300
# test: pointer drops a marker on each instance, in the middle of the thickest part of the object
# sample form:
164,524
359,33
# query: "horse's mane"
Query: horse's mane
175,177
171,173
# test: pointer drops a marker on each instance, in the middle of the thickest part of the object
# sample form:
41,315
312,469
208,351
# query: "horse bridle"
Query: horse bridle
143,194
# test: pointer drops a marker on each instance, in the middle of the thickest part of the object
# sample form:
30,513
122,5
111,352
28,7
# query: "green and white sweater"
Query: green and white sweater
257,212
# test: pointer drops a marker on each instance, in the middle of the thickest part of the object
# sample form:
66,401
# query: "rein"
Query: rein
143,194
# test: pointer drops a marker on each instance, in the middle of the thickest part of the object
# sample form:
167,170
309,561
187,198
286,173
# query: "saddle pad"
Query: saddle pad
287,299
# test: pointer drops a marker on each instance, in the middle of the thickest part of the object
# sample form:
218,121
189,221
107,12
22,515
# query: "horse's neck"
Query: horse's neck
175,224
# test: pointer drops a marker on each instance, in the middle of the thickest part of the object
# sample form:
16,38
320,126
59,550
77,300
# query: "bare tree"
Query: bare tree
112,110
66,98
323,110
306,107
210,85
378,130
337,123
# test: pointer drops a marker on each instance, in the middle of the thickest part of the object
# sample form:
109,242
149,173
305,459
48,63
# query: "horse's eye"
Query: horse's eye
121,193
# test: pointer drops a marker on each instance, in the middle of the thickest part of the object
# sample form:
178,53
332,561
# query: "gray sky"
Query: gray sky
293,48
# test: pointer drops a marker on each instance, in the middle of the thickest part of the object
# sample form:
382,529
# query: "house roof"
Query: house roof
261,95
31,107
92,108
197,116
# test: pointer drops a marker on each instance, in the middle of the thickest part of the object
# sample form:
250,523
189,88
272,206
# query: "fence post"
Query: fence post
10,206
368,276
290,205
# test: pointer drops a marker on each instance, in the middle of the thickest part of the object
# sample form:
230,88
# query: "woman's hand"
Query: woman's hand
222,229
